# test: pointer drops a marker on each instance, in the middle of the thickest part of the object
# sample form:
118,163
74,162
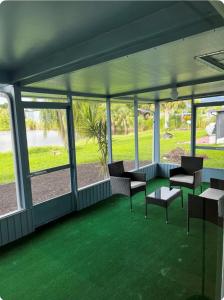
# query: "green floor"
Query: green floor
106,252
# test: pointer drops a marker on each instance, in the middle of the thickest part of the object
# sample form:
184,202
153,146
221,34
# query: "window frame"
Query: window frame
12,121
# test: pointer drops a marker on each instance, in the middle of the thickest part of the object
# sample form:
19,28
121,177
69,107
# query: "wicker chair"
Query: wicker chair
189,174
126,183
209,205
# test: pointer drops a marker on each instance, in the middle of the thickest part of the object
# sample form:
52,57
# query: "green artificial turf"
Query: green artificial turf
107,252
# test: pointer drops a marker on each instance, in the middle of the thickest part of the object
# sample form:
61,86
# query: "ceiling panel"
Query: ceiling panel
167,64
32,29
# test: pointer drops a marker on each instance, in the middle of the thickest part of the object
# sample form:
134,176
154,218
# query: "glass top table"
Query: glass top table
163,196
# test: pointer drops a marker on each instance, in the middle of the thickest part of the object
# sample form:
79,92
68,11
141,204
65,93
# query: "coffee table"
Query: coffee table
163,196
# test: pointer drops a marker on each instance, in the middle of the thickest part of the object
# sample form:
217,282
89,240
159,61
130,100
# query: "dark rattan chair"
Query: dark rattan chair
126,183
189,174
209,205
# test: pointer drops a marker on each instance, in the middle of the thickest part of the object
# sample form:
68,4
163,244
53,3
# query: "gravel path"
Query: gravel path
51,185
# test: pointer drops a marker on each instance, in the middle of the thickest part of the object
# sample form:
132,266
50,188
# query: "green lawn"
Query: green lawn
123,149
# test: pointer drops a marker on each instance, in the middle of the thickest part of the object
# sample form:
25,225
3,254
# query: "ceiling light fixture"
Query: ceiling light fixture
1,1
174,94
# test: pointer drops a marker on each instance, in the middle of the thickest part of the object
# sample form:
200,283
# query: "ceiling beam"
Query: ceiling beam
169,86
195,96
175,22
60,92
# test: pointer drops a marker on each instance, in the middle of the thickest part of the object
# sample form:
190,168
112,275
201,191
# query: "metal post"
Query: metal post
21,148
136,131
109,133
193,127
156,134
72,152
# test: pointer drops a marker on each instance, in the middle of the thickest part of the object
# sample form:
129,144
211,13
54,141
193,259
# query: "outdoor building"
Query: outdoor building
89,85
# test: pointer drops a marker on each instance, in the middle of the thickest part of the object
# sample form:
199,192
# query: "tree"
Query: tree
90,121
122,118
54,120
170,108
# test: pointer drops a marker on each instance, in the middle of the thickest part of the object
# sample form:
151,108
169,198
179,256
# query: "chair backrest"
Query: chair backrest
191,164
116,168
204,208
217,183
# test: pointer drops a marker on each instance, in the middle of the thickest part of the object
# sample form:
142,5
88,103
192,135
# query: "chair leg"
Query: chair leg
131,203
146,209
188,225
193,191
182,198
201,188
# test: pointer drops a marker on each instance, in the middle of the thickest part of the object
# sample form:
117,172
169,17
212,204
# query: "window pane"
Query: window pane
212,158
8,199
34,97
210,99
210,126
145,133
46,131
91,141
123,141
175,130
51,185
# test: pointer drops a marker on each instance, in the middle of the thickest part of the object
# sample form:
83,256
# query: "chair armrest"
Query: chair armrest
176,171
197,178
136,176
217,183
120,185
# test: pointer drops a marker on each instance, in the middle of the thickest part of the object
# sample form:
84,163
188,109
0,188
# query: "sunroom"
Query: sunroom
84,84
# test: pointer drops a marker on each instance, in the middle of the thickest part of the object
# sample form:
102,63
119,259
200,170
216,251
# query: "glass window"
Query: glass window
210,126
50,185
212,158
145,133
175,130
47,140
91,141
8,195
210,99
34,97
123,140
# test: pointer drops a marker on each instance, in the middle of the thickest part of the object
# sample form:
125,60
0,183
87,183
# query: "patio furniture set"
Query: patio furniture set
209,205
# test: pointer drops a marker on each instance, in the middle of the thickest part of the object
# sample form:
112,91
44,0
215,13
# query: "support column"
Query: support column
21,148
109,133
72,153
193,127
156,133
136,132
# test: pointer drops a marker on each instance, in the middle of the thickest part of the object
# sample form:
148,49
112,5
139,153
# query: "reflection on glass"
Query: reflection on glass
91,141
210,126
122,123
50,185
145,133
175,130
46,131
8,199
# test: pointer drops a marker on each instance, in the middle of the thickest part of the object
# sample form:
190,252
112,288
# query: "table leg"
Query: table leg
146,209
166,214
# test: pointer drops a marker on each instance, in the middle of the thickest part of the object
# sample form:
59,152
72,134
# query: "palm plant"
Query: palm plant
90,121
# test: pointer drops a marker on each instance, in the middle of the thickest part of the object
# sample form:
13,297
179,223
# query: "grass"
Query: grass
107,253
123,149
